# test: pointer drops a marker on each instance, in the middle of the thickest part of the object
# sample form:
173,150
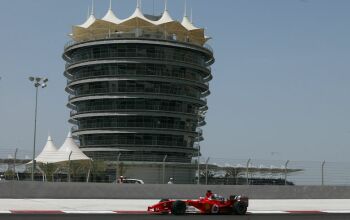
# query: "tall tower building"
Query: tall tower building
138,86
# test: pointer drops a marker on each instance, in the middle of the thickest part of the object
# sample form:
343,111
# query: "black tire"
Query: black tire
240,208
164,200
178,208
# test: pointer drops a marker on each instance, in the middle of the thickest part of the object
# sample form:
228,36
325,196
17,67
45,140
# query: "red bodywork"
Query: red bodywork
205,205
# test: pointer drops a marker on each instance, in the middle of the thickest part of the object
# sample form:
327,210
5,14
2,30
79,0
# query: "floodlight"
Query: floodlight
43,85
45,80
31,78
37,79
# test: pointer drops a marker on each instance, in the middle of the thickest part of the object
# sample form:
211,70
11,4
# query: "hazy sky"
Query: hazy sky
281,77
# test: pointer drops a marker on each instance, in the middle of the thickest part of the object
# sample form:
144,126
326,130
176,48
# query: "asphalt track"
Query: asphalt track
170,217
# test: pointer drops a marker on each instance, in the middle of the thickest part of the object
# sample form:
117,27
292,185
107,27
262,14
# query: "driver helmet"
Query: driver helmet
209,193
214,196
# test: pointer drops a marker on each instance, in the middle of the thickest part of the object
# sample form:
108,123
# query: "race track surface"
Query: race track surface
187,217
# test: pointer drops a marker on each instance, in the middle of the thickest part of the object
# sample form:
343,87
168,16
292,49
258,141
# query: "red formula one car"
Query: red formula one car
210,204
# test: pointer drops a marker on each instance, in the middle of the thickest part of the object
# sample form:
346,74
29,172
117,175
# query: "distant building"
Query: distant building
137,87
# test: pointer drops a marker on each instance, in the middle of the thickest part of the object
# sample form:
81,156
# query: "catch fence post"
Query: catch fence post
322,172
69,165
247,171
198,164
14,163
117,168
285,172
206,171
164,168
89,171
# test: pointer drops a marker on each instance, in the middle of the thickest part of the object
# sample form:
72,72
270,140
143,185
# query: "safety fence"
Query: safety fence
16,164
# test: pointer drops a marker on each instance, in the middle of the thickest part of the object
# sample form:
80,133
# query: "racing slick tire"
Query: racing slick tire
178,207
239,208
215,209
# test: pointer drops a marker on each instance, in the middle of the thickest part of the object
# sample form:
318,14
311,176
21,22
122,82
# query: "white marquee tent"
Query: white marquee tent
48,154
69,146
68,151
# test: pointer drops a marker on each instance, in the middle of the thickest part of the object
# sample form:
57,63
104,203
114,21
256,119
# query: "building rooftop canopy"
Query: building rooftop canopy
140,25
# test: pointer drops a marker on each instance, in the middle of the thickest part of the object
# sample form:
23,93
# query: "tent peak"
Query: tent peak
111,17
69,135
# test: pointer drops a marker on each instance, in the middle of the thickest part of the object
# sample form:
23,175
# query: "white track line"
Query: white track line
337,211
268,212
88,212
5,212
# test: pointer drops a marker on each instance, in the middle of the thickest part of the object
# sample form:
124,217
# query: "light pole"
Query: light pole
42,82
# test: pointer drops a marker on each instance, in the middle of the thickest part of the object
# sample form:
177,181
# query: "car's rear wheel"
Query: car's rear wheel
178,207
239,208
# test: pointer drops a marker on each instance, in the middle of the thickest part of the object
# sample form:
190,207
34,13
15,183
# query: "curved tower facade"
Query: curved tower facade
138,87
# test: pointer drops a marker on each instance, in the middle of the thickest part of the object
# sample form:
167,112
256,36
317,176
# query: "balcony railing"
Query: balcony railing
131,56
70,97
108,110
131,35
150,127
95,76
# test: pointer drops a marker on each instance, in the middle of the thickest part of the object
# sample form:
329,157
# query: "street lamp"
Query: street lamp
37,82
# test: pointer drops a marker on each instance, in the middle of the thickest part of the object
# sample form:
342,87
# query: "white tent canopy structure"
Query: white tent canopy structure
94,28
68,151
68,147
48,154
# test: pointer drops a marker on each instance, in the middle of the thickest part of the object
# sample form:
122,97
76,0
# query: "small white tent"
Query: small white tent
48,154
69,146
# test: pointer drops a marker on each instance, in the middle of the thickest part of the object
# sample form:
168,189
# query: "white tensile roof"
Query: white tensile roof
50,154
188,24
70,146
110,17
166,18
93,27
88,22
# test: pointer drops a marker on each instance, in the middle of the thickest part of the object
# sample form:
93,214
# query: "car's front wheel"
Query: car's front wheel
178,207
239,208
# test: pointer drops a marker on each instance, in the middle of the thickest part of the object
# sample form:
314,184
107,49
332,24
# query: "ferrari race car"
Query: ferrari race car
210,204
